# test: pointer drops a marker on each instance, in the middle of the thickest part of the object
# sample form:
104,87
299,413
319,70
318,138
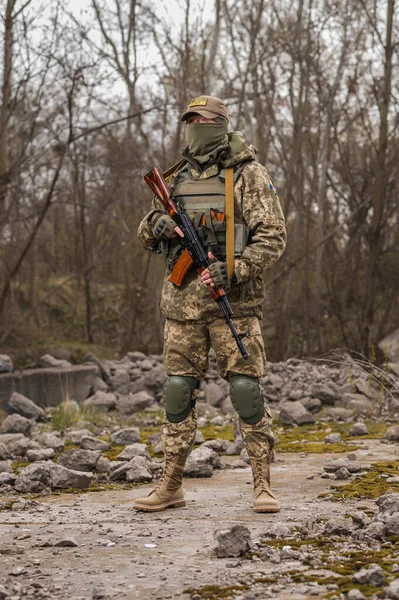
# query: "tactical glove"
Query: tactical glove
218,272
163,227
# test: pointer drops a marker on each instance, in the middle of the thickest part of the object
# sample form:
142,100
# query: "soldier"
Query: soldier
193,320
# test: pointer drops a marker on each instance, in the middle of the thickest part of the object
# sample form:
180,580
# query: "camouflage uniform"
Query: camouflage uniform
193,319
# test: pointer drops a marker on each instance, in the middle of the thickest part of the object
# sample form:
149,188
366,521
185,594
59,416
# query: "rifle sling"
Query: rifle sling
230,221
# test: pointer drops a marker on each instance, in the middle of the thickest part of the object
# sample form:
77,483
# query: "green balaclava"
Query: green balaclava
204,138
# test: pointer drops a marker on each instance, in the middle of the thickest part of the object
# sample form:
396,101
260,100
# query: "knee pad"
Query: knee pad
246,398
178,393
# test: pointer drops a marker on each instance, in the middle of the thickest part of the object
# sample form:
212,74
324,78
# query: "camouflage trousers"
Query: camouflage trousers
186,348
187,344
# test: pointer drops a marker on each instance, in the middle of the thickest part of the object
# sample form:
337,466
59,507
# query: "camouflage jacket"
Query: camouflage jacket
257,204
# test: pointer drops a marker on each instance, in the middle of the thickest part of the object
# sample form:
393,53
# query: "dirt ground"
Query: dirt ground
120,553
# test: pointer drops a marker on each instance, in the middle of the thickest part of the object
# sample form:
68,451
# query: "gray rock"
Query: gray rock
338,526
79,460
234,447
98,385
103,464
237,464
75,436
373,575
25,407
6,365
199,437
359,517
350,465
275,380
132,403
34,478
218,421
204,454
4,453
232,543
123,437
117,470
194,468
133,450
342,473
278,530
358,428
388,503
7,479
355,595
338,413
47,361
138,471
392,524
101,400
19,446
52,440
219,446
66,543
62,478
244,455
40,454
136,356
311,404
5,466
91,443
294,413
392,433
333,438
16,424
155,378
327,393
121,377
359,404
214,393
392,590
138,385
376,530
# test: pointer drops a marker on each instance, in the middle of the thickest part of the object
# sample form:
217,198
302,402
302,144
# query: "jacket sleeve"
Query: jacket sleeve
144,232
261,210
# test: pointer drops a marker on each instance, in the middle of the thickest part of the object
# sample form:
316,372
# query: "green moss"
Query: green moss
212,432
310,438
343,569
6,505
376,430
113,452
370,485
18,465
215,592
296,544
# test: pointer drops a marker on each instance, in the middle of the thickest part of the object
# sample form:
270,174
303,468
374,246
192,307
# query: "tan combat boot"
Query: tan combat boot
177,441
259,442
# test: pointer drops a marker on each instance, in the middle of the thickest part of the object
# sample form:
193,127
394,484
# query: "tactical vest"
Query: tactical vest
204,202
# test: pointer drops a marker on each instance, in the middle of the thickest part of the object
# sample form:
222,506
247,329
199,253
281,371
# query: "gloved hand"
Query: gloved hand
163,227
216,274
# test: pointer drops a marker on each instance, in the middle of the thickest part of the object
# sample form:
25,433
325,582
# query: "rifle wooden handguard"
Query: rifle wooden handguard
181,267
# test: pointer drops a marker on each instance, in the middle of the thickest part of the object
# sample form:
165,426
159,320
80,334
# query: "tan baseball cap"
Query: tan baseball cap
206,106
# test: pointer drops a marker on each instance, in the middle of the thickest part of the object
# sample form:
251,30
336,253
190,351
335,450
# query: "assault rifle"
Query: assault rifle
193,250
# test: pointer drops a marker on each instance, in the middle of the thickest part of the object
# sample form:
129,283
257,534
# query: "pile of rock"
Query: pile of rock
55,466
296,390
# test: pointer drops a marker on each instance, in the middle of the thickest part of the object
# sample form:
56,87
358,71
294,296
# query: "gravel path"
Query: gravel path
114,552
